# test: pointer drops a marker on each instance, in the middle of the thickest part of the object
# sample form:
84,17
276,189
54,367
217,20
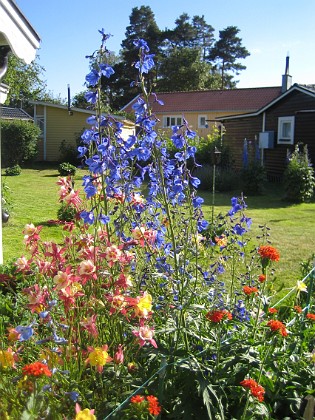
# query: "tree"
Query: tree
183,70
142,25
227,50
25,81
204,35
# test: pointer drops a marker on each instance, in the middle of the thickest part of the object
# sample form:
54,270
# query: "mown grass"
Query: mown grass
292,226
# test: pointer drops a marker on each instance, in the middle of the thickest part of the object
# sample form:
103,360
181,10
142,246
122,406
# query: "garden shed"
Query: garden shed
60,124
276,127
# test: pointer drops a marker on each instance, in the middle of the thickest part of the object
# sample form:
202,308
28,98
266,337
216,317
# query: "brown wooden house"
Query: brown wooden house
276,128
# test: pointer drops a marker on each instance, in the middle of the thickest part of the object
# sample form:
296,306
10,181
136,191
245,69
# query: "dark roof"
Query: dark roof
306,89
243,100
8,113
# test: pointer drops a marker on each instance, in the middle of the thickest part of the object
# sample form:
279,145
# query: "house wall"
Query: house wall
275,159
235,133
59,126
304,130
192,118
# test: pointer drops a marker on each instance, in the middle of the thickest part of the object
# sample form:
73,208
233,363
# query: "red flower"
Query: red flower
154,406
272,310
137,399
269,253
261,278
250,290
277,326
36,369
298,309
311,317
256,390
218,316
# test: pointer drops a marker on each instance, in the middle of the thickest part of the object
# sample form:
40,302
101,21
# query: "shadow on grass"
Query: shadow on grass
272,198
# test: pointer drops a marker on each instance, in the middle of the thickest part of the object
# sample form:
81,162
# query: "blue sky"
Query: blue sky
269,29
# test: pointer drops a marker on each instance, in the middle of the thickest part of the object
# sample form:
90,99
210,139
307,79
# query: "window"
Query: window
40,122
286,130
202,121
171,120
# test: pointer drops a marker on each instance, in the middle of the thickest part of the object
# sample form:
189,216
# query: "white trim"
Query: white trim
176,117
287,138
16,31
205,125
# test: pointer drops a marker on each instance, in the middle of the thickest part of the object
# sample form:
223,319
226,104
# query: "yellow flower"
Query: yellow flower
98,357
6,359
301,287
85,414
144,306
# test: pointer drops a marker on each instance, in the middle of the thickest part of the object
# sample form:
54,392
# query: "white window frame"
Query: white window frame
168,123
200,125
284,138
40,122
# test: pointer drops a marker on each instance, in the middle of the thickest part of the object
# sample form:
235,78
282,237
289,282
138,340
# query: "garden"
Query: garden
148,302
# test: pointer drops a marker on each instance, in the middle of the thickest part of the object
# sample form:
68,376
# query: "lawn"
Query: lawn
34,195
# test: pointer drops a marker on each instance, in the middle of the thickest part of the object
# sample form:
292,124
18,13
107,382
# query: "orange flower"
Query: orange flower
154,406
36,369
269,253
256,390
298,309
261,278
272,310
218,316
277,326
137,399
250,290
311,317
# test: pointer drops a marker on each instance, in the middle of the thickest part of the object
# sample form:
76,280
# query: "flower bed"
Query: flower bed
146,308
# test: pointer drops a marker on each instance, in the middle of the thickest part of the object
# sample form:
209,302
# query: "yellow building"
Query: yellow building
59,125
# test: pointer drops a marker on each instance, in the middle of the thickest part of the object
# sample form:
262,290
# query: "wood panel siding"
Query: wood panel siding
235,133
297,104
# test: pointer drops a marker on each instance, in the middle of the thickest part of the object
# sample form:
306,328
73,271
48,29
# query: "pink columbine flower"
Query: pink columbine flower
89,325
145,335
119,355
112,254
22,264
87,268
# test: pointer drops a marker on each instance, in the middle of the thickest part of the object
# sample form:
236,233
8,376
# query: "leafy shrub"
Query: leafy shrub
66,213
68,153
225,178
13,170
19,142
66,169
299,181
254,178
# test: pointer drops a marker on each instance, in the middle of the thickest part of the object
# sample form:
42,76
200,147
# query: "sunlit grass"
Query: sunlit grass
292,226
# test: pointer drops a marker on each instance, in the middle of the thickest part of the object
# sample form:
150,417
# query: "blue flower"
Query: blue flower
197,201
92,78
106,70
91,97
82,151
25,332
87,216
145,64
104,219
195,182
142,44
73,395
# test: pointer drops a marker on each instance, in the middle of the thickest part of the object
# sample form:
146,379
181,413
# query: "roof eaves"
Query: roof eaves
270,104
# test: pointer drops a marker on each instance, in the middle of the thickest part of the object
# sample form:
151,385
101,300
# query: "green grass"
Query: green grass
35,199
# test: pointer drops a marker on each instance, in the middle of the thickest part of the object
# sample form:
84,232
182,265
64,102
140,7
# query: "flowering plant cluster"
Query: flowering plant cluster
146,308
